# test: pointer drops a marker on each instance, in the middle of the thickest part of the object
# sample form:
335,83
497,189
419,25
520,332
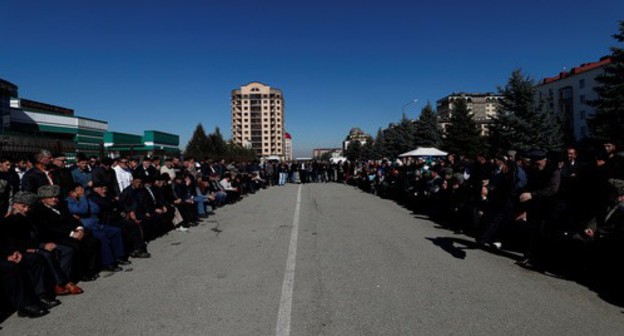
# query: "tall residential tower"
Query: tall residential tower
258,119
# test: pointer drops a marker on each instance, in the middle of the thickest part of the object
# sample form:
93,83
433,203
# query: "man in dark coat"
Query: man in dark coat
544,210
55,224
38,175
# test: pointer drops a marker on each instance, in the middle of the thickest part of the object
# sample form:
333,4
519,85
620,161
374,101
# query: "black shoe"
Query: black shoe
124,262
88,278
140,254
48,303
112,268
32,311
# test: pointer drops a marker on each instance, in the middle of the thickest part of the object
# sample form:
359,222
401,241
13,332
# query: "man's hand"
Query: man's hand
524,197
16,257
49,247
78,234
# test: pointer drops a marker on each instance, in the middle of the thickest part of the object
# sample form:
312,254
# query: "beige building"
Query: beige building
482,106
258,119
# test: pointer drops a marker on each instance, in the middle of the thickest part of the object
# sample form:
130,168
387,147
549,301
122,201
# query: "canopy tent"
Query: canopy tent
424,151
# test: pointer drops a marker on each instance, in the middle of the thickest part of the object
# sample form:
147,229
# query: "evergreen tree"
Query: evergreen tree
608,122
218,146
428,132
379,147
197,146
462,134
521,124
400,138
368,150
352,152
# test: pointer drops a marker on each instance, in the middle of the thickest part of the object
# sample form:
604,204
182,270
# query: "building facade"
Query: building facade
333,152
482,106
258,119
152,143
86,134
568,94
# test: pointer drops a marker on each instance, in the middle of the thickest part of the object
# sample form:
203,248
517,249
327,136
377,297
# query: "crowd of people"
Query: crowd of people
65,224
564,212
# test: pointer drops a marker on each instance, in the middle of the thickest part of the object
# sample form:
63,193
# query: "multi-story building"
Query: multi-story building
258,119
568,94
482,106
333,152
356,134
288,146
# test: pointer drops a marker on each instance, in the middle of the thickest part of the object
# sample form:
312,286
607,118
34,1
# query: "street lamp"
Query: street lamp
408,103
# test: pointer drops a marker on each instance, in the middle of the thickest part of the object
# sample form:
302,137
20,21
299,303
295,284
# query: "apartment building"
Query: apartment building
568,94
483,106
258,119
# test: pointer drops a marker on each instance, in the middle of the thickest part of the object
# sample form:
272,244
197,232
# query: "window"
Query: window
583,115
582,97
246,108
582,83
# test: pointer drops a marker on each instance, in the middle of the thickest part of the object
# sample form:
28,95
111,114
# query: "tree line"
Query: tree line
522,122
213,146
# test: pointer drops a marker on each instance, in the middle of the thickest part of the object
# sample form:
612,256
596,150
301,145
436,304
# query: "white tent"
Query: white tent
424,151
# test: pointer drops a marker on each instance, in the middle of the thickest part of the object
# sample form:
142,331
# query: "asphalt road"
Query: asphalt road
363,266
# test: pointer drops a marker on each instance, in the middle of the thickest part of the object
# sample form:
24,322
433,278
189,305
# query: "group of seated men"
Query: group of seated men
65,224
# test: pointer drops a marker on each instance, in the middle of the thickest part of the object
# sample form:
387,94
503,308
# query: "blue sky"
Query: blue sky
169,65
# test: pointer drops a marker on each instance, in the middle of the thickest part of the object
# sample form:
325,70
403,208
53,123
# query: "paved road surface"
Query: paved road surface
363,266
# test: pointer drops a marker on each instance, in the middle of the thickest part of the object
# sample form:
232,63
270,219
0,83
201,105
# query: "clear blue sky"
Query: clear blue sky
168,65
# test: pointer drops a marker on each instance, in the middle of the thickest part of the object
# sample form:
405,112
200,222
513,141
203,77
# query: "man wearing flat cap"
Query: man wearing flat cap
58,257
56,225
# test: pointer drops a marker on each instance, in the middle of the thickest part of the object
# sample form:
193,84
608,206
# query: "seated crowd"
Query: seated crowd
65,224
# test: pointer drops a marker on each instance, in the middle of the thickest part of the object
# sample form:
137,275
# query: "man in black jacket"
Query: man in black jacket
55,224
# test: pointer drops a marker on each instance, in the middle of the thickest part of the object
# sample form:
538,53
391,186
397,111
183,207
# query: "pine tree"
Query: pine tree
218,146
352,152
379,147
428,131
522,124
196,147
462,134
368,151
608,122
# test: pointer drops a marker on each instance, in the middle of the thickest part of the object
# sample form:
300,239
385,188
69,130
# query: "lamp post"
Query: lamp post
407,104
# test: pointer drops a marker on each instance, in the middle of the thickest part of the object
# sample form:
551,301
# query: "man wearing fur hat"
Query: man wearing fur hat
56,225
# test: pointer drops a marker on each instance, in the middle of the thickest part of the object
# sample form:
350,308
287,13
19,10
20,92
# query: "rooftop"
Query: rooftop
577,70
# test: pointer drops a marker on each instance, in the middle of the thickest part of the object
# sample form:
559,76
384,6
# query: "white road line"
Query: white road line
285,308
